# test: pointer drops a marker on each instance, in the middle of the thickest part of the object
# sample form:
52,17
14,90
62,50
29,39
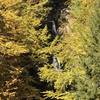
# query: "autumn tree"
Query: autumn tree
77,52
31,53
20,39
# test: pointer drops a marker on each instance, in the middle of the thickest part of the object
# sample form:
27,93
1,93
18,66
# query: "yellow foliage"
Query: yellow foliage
11,48
9,2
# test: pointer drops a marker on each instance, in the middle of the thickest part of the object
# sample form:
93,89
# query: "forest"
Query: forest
49,49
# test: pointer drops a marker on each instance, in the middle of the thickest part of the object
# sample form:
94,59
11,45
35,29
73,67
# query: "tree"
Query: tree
68,63
78,53
20,41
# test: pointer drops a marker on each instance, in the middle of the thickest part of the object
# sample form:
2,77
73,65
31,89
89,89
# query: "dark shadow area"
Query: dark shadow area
10,63
52,19
3,28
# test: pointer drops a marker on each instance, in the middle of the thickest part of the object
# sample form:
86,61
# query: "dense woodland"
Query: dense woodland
49,49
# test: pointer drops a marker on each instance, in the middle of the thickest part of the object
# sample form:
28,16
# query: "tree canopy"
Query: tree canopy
49,49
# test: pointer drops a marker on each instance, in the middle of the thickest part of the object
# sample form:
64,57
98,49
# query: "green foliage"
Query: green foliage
78,52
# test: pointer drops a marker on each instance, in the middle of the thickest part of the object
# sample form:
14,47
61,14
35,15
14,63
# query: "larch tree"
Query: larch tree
20,38
77,52
55,42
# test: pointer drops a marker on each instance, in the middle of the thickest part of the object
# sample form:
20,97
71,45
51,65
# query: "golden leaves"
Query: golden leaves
11,48
9,2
